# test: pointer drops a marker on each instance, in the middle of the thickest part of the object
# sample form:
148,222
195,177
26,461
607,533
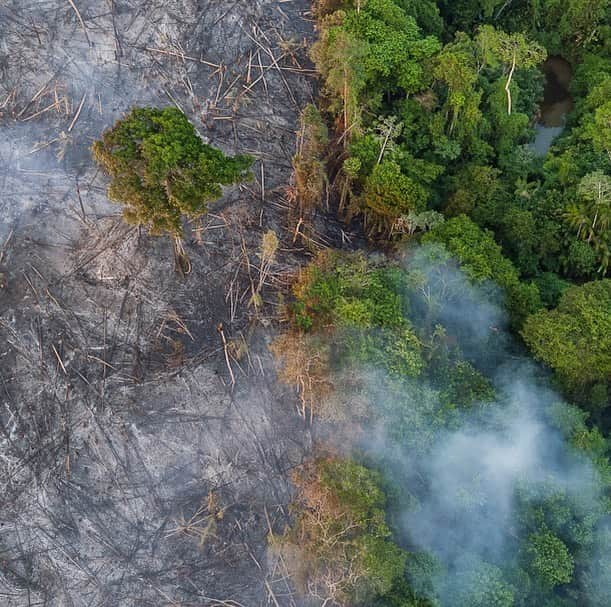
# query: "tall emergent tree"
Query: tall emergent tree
511,51
161,169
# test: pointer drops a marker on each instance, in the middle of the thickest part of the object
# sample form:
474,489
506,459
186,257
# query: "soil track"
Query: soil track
132,472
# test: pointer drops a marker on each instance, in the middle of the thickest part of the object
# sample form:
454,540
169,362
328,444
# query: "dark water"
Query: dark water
557,103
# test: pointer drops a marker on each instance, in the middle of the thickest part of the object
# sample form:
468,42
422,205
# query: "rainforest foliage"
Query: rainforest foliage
161,170
431,108
376,343
435,107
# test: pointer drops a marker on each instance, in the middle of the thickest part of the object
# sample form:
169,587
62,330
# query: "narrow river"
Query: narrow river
557,103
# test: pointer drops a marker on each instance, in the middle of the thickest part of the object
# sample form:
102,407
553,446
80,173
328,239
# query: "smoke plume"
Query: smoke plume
474,476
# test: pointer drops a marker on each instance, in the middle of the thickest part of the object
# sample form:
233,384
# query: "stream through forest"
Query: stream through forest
557,103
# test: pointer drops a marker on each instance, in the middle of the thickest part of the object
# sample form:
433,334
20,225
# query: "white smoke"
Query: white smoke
467,475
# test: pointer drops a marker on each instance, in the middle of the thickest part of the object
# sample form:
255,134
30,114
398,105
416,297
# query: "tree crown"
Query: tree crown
161,169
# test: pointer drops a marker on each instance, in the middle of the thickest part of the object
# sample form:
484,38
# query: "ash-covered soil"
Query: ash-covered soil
145,448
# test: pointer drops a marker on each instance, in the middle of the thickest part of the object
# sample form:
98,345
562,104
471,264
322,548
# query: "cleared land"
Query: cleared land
142,458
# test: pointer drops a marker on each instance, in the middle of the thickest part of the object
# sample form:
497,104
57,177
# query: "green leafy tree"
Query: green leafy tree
580,23
520,237
465,385
387,195
599,128
575,338
456,67
161,169
550,559
340,534
463,14
572,423
338,56
476,190
395,45
364,49
551,287
579,260
592,71
366,306
597,579
481,259
482,585
426,13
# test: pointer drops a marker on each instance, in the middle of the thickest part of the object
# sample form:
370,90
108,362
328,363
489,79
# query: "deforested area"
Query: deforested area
145,447
305,303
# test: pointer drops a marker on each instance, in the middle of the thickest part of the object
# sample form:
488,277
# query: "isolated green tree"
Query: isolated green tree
161,169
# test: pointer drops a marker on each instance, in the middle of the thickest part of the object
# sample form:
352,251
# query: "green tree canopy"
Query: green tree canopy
341,530
366,306
481,259
483,585
579,23
510,50
575,338
161,169
550,559
387,195
367,49
456,67
590,214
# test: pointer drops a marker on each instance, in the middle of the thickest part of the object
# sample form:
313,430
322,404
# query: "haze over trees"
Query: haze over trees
407,351
475,484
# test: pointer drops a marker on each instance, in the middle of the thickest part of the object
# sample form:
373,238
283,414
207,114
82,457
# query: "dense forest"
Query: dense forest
470,343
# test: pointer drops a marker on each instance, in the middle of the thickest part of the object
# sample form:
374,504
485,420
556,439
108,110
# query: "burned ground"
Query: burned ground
144,447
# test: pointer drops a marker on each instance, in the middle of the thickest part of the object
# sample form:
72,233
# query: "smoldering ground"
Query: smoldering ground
467,482
130,472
